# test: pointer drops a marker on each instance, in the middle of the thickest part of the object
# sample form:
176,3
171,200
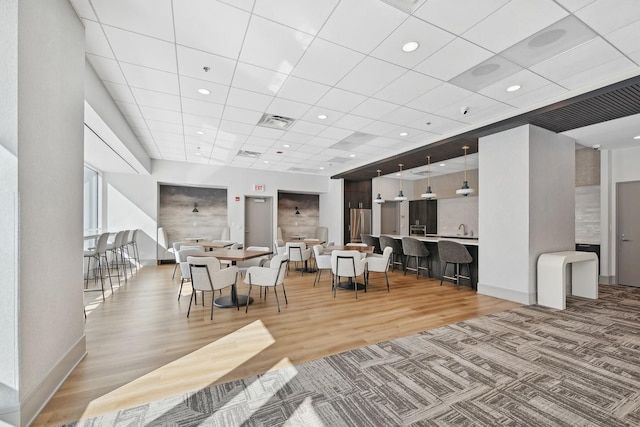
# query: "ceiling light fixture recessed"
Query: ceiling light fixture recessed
286,146
513,88
352,155
410,46
443,164
199,132
321,168
636,137
204,91
404,133
266,161
322,116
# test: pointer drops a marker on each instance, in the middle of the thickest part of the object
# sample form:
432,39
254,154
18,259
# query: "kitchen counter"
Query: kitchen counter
435,238
431,242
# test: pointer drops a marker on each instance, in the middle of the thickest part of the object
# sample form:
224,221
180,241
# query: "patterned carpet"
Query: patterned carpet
529,366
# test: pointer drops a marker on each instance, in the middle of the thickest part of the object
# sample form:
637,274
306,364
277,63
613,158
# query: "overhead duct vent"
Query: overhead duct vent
275,122
250,154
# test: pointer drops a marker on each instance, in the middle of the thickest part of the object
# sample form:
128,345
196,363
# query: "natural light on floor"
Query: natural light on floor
193,371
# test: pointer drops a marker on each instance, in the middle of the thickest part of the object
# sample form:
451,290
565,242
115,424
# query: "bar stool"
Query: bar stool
396,245
454,253
413,247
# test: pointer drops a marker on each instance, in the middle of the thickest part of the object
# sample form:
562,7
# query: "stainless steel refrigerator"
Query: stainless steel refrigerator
360,223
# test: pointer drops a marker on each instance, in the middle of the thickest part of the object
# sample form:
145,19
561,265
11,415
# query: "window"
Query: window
91,201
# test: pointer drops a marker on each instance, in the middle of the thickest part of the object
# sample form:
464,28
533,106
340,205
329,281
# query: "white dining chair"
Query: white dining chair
206,275
347,264
269,276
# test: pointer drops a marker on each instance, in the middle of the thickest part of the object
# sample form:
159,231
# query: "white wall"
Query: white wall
130,201
47,80
527,176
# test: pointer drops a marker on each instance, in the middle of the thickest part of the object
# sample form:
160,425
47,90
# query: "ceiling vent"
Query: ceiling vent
250,154
275,122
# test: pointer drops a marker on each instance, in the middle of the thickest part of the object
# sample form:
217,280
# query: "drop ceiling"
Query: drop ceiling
194,78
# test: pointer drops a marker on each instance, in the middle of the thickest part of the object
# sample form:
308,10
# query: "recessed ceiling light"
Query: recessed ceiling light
204,91
404,133
352,155
198,154
322,116
443,164
410,46
286,146
266,161
321,168
636,137
199,132
513,88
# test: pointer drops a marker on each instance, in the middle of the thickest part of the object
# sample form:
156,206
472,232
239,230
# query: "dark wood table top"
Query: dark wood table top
308,242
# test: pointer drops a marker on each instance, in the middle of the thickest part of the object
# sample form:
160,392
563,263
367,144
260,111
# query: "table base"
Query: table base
228,302
350,285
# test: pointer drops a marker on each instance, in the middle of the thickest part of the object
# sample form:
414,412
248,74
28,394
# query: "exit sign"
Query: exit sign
258,187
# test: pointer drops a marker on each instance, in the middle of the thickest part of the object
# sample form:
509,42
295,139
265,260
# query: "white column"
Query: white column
42,141
527,208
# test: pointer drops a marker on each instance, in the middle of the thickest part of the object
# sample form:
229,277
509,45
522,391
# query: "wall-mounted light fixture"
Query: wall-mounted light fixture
297,211
195,207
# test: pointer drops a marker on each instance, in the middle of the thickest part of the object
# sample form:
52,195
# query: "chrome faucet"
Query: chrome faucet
464,229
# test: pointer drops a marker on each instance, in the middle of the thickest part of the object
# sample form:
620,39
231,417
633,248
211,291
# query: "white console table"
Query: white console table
552,274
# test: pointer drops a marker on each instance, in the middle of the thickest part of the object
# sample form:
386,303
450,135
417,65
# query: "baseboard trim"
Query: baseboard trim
607,280
36,400
507,294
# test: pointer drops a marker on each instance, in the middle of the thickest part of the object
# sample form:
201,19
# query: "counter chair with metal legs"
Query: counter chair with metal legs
457,254
98,254
372,241
414,248
397,256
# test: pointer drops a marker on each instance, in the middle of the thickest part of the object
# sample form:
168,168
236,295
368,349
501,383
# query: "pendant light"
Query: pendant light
400,197
465,190
378,200
428,194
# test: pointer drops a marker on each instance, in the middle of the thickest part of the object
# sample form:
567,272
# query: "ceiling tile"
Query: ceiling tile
482,75
256,79
142,50
268,133
430,38
210,26
191,63
626,38
312,115
456,57
407,87
296,89
160,115
616,67
578,60
201,108
120,92
352,27
128,109
273,46
573,5
308,128
380,128
516,20
95,41
549,42
528,98
460,18
325,62
341,100
303,15
403,116
527,80
286,108
107,69
369,76
440,97
241,115
156,99
352,122
147,78
249,100
374,108
438,124
134,16
606,16
207,124
189,89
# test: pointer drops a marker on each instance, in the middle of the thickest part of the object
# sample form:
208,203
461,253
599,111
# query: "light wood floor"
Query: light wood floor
142,347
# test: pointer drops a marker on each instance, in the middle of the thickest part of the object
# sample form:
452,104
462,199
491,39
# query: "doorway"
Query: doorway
628,232
390,218
258,221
